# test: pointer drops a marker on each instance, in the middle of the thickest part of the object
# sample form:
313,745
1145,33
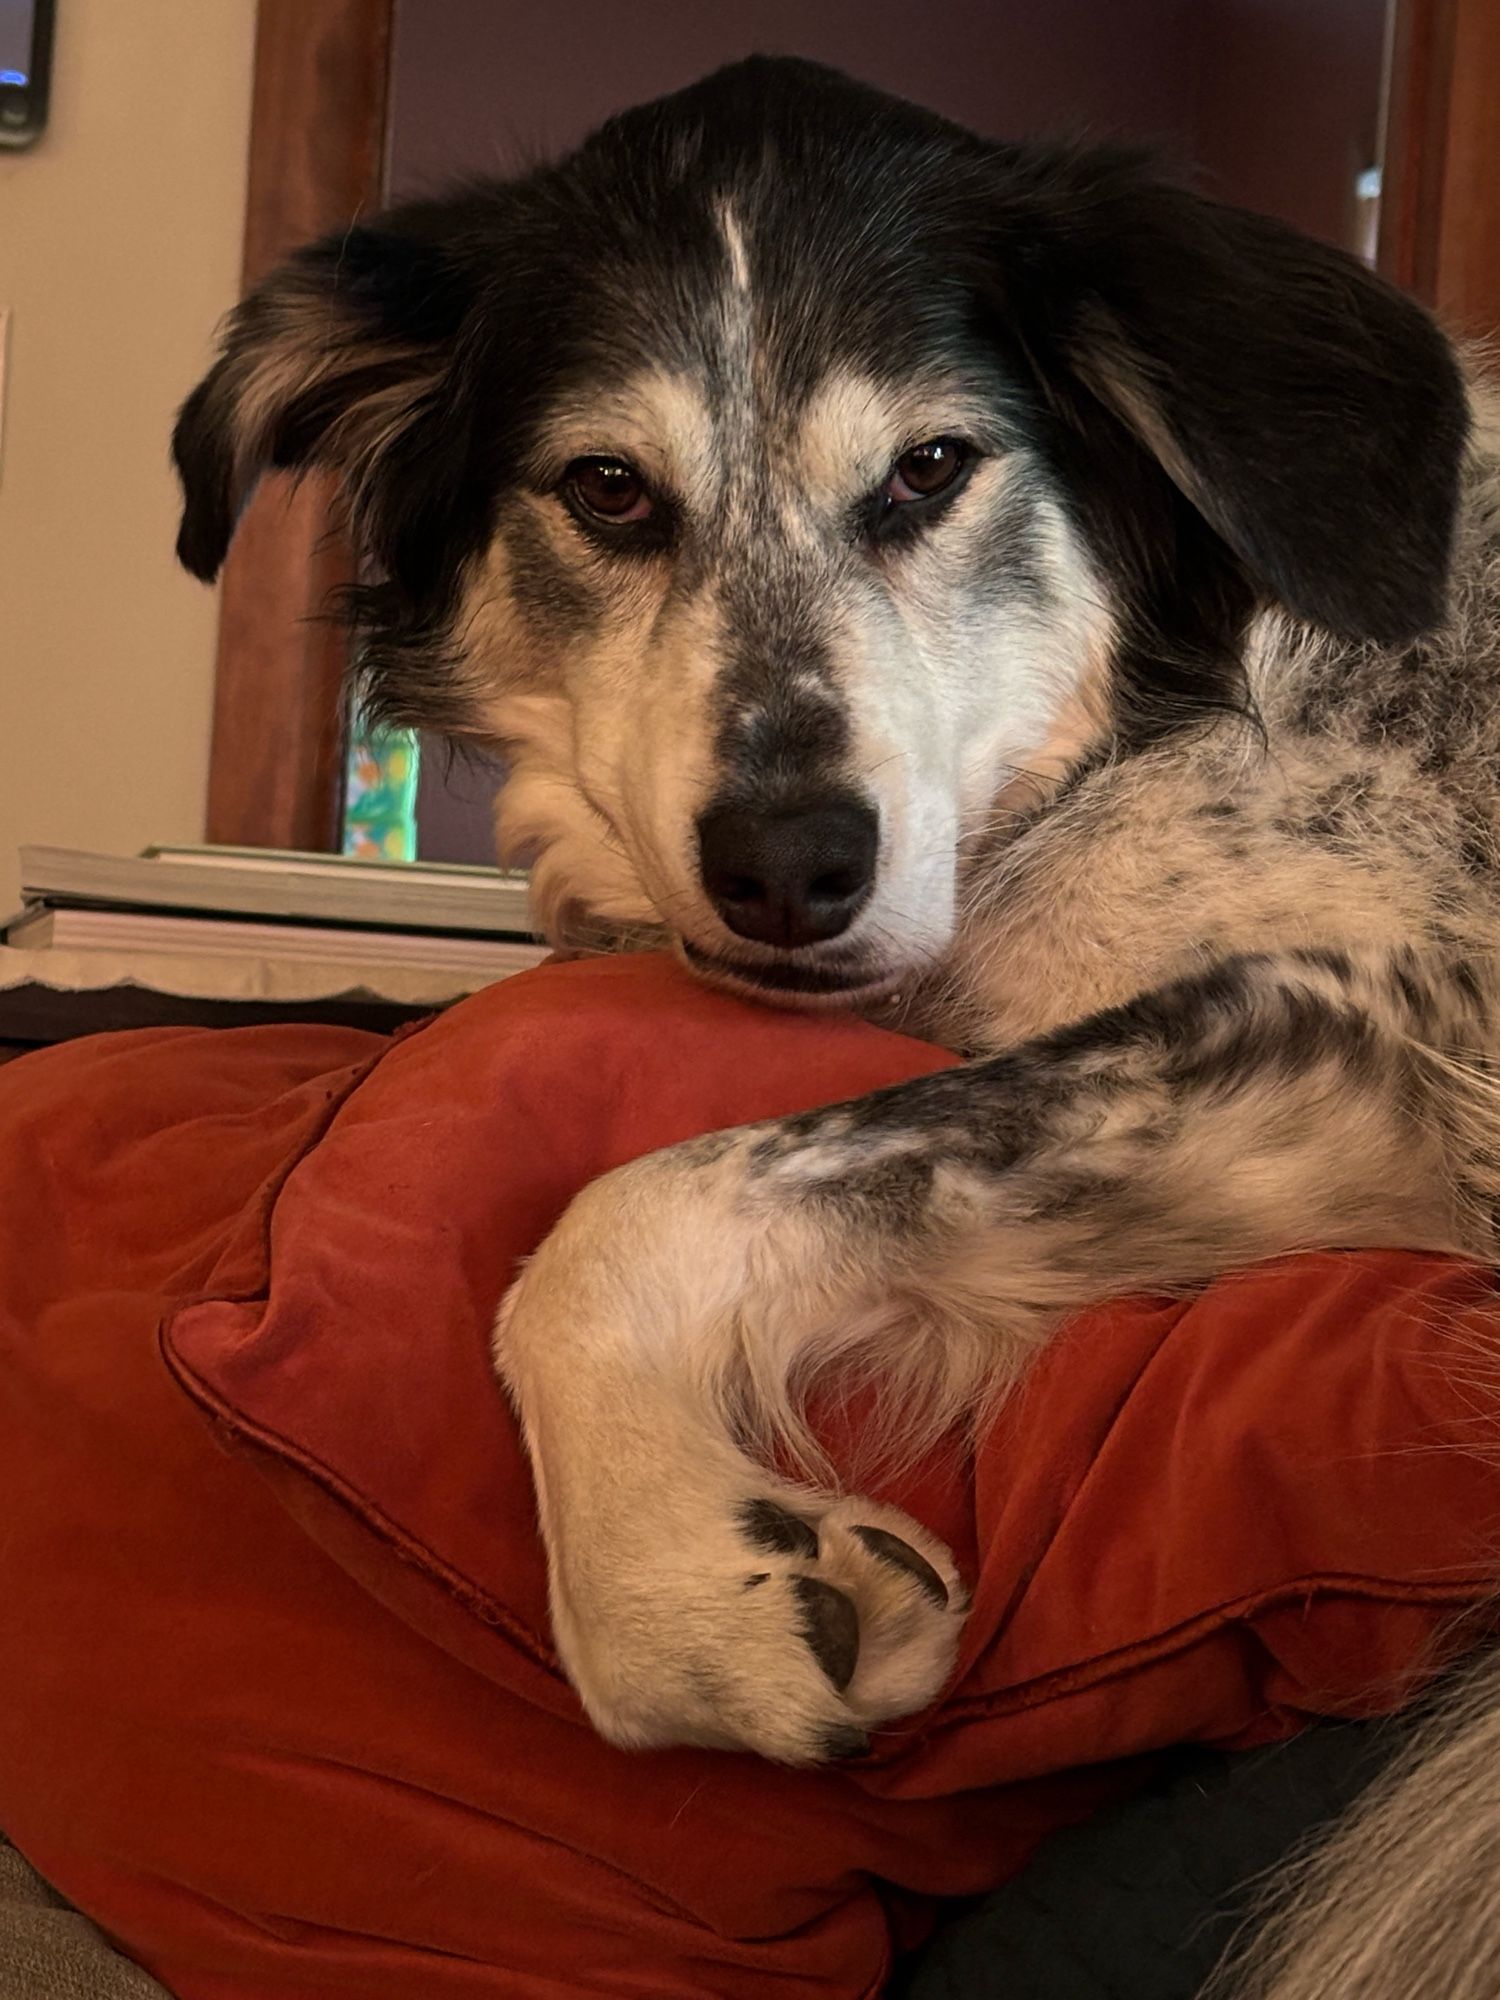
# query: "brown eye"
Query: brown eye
926,469
607,488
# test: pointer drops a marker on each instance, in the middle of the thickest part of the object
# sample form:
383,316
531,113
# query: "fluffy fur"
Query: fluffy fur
1168,727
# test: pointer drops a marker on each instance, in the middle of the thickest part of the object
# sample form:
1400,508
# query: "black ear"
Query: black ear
332,361
1314,416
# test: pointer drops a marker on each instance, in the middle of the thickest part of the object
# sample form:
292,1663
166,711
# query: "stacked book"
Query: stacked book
226,936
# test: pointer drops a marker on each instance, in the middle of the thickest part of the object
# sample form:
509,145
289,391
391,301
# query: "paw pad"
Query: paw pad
832,1600
778,1531
901,1555
830,1625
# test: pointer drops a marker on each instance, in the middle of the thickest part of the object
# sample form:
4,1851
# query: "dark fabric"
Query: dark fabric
1141,1902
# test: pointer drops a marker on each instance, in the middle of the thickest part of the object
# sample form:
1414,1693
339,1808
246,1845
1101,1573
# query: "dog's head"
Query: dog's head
789,475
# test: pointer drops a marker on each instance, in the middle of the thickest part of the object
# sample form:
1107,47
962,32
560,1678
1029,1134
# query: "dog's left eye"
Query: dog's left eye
926,470
607,488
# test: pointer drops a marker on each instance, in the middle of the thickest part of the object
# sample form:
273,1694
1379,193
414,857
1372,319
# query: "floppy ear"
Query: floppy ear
334,360
1314,416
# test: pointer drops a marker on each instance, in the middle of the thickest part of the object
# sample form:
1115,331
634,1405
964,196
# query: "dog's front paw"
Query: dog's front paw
696,1597
770,1619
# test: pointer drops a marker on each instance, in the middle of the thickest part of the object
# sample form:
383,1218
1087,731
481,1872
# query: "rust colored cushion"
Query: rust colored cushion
277,1703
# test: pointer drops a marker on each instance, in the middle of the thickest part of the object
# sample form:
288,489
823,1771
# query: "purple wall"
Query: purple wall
1276,101
483,85
1286,106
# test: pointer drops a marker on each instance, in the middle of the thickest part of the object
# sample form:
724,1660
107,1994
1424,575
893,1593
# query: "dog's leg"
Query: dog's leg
932,1233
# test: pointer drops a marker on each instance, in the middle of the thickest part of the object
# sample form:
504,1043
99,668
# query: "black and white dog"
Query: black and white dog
977,584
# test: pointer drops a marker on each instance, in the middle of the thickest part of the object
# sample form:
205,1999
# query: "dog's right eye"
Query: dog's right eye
607,488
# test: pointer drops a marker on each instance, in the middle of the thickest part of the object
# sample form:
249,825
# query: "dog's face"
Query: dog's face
789,481
775,620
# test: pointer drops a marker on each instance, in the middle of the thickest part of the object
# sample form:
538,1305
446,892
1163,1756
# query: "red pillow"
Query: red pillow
277,1704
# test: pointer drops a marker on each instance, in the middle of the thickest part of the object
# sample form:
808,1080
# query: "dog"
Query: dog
984,586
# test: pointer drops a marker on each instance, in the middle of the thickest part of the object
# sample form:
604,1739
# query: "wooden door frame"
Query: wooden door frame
317,159
317,153
1440,205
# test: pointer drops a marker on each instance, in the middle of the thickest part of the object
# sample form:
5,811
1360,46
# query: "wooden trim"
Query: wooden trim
1468,262
317,150
1416,119
1440,209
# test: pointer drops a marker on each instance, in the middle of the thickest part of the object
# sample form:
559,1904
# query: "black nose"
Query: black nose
791,876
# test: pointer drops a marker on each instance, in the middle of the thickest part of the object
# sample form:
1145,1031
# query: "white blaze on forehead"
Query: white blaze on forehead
734,242
740,402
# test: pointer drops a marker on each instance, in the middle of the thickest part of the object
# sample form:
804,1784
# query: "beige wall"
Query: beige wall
119,249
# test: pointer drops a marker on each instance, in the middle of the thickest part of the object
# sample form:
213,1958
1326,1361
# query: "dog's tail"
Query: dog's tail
1403,1901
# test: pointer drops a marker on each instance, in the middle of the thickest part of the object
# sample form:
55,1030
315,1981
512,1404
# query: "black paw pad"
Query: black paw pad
775,1529
830,1625
901,1555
